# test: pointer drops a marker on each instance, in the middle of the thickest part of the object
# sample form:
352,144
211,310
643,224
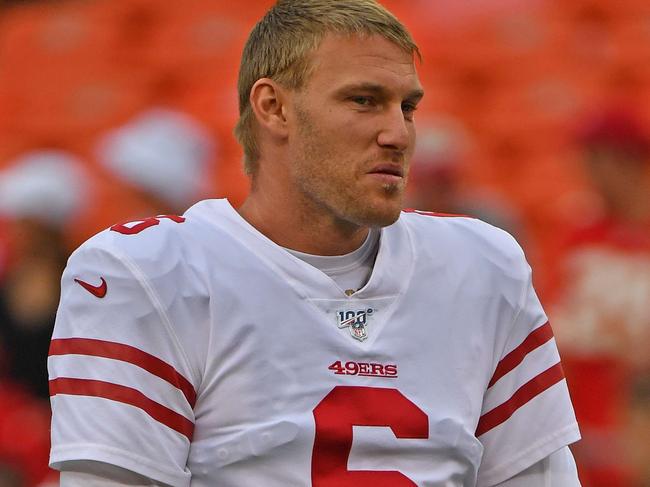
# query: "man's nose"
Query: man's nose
394,133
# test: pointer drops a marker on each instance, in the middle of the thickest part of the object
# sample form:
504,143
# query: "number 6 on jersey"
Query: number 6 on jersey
348,406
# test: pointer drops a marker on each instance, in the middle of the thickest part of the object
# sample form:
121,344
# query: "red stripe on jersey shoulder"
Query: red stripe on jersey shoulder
434,213
524,394
538,337
125,395
125,353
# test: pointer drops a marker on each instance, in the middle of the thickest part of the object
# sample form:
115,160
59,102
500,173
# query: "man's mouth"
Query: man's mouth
390,176
391,170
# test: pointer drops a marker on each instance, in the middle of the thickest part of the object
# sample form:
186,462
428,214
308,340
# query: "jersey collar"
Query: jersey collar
390,276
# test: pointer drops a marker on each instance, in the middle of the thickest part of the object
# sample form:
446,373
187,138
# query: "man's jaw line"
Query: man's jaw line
314,219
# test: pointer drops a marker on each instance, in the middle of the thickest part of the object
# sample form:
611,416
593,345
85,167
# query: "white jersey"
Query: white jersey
195,351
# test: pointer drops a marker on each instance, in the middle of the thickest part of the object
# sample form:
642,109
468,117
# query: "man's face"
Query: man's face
352,133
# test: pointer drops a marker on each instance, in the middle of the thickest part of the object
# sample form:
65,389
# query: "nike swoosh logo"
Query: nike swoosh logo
99,291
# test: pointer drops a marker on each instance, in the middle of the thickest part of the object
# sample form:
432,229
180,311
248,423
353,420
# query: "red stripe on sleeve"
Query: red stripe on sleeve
126,395
536,339
525,393
125,353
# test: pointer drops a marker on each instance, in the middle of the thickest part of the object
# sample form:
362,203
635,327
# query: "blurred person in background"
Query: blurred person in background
24,438
40,193
436,179
601,313
164,156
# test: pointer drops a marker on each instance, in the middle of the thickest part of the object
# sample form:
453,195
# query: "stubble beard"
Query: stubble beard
333,191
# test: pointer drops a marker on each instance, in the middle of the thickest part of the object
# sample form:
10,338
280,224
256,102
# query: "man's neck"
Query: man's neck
301,227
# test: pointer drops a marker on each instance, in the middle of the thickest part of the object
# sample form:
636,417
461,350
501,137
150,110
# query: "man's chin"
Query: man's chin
384,221
380,215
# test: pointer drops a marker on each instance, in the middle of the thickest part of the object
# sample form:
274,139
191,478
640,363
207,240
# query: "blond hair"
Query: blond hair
280,44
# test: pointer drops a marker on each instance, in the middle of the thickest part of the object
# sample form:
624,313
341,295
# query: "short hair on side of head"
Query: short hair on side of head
280,44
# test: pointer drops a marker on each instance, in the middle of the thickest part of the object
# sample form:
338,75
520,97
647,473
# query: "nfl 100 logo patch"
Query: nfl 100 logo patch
356,321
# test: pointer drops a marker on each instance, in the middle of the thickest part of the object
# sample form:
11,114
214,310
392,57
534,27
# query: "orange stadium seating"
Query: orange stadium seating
516,74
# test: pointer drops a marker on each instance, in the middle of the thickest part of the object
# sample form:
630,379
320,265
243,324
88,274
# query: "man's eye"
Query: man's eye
362,100
409,107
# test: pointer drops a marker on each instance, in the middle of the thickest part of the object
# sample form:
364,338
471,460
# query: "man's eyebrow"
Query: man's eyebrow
414,95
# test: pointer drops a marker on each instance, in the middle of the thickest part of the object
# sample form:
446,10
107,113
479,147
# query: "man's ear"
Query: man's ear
268,103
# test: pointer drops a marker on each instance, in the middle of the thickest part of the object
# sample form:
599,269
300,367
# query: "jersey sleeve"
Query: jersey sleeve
527,412
122,389
557,470
94,474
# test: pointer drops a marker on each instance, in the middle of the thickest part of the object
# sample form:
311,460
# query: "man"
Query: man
316,336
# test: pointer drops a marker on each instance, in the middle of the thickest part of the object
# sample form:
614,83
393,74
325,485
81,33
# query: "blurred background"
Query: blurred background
536,119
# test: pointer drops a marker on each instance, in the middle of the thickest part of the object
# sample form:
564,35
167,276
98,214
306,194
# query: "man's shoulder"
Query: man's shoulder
140,239
440,228
464,240
156,242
